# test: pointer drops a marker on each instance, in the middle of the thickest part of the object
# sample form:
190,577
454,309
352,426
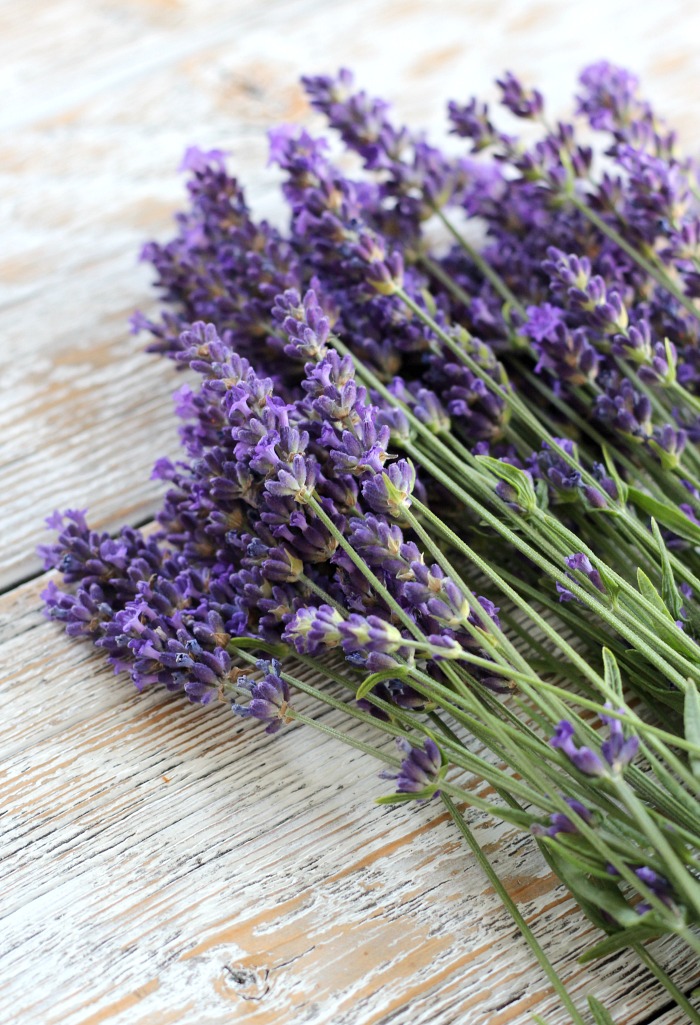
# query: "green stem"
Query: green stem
323,595
634,632
603,847
682,879
515,657
371,577
653,270
508,397
488,272
669,985
444,278
509,904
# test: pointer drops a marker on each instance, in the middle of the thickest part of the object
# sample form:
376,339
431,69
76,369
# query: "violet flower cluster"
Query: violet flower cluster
241,552
347,382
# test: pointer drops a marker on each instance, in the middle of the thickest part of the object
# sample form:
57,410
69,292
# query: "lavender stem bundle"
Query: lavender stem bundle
384,428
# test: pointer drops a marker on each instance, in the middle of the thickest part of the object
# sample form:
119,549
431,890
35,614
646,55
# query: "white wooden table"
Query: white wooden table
160,863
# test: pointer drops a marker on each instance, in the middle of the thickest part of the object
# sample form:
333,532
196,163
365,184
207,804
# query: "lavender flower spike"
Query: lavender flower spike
269,697
659,886
305,324
617,751
561,823
520,101
420,770
582,564
298,481
314,630
391,492
369,634
582,758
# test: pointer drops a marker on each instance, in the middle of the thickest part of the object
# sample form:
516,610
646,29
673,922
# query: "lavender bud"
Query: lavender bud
582,564
369,634
299,481
617,751
582,758
314,630
420,770
269,697
390,493
521,102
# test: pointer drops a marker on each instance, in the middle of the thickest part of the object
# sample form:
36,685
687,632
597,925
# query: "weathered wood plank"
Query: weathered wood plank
163,863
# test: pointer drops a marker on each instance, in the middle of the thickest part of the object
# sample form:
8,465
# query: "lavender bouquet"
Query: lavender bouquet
455,473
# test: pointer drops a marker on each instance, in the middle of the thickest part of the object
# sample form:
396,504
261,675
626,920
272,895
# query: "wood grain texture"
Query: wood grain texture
163,863
160,864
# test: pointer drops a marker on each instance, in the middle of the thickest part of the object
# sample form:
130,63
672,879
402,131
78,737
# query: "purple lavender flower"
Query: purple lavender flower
298,481
365,634
658,885
269,697
542,321
313,630
305,324
609,96
420,769
661,362
583,758
83,613
580,563
567,271
562,823
414,174
667,443
384,271
607,487
520,101
379,543
390,492
616,751
624,409
358,451
562,479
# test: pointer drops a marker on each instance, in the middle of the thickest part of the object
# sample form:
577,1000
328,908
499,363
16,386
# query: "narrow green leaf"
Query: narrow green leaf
253,644
683,804
691,721
671,360
669,590
670,633
518,479
584,866
404,798
651,594
611,673
666,515
612,470
601,1015
542,495
395,673
593,894
660,691
619,940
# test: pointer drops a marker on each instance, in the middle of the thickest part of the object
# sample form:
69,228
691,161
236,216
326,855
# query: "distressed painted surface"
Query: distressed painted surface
160,864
